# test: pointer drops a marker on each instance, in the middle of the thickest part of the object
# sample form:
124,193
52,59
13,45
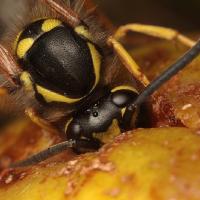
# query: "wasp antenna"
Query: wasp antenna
169,73
69,15
45,154
158,82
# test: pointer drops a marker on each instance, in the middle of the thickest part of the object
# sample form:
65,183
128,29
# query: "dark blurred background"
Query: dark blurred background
181,14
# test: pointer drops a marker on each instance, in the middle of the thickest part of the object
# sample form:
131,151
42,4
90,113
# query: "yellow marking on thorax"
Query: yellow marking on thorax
23,46
124,87
110,134
50,24
25,78
96,58
16,40
83,31
51,96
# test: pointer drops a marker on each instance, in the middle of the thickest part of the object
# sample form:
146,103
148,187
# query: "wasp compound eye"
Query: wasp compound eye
59,59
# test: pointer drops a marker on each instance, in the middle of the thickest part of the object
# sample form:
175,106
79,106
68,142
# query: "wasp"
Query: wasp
59,62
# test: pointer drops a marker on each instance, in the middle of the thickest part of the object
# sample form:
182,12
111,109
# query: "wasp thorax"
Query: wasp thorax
63,63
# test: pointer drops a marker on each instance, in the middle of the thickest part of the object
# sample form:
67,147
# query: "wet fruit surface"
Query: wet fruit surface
177,102
135,166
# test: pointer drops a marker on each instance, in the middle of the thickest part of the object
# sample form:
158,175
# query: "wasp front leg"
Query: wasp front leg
155,31
128,61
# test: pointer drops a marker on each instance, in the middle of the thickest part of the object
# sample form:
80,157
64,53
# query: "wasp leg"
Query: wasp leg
69,15
155,31
128,61
8,66
39,121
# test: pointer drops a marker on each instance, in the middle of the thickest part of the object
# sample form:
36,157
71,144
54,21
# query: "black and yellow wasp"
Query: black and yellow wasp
60,62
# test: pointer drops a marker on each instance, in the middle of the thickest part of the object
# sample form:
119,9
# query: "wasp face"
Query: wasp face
101,121
60,63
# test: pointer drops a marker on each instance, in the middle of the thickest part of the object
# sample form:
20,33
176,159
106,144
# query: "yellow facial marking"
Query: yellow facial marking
23,46
110,134
123,111
51,96
67,124
50,24
82,30
124,87
96,57
25,78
